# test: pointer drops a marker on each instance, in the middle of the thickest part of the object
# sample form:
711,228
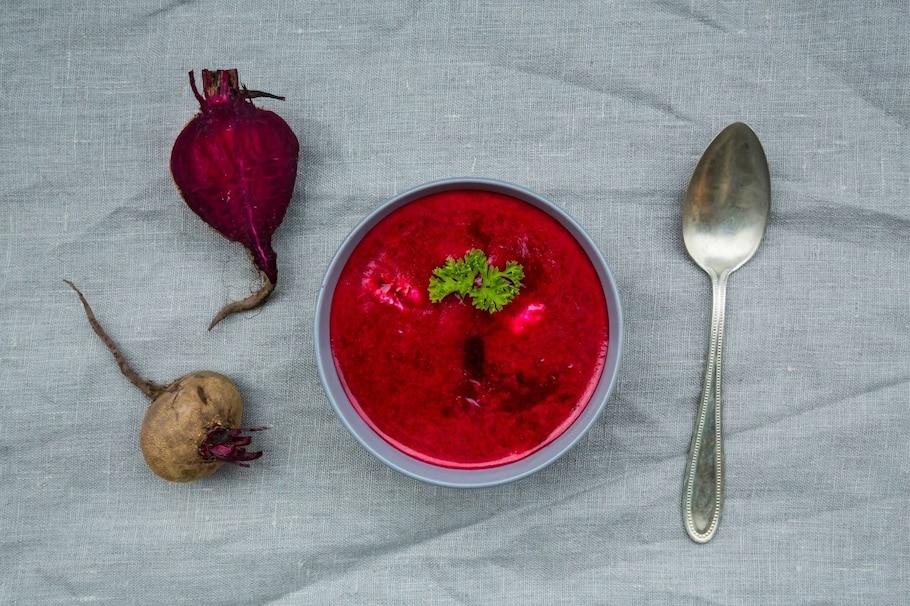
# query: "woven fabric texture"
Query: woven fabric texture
602,107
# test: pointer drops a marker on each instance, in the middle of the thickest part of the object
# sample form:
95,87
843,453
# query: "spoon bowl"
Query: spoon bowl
727,203
724,218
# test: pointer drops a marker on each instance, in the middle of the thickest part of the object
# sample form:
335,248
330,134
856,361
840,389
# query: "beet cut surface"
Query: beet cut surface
235,165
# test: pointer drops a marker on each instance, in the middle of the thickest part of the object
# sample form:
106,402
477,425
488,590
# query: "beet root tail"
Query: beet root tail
254,300
149,388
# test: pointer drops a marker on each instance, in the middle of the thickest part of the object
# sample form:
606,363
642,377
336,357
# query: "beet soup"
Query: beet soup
449,384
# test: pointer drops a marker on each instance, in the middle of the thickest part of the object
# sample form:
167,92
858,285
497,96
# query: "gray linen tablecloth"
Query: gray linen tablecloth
603,107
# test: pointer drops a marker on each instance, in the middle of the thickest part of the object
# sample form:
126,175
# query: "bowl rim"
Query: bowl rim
435,474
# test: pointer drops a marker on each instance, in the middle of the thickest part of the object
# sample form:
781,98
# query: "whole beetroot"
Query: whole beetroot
192,425
235,165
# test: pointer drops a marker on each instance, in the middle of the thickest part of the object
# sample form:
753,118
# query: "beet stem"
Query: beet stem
149,388
248,303
254,94
229,445
196,90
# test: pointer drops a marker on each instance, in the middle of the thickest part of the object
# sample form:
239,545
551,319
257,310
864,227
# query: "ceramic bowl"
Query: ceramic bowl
442,475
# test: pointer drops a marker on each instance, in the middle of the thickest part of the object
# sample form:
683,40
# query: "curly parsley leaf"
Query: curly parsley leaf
497,288
489,288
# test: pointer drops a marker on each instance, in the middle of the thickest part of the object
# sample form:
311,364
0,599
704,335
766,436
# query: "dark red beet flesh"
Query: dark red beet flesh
235,165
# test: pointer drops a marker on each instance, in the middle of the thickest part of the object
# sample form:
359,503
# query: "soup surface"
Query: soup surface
452,385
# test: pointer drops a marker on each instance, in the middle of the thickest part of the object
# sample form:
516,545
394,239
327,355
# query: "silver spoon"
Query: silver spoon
724,216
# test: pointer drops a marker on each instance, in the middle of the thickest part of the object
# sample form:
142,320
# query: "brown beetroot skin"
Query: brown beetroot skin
179,420
192,426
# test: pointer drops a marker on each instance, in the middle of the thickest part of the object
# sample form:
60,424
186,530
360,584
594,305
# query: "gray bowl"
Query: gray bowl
444,476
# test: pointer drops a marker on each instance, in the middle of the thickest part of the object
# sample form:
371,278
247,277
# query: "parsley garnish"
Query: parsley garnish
472,276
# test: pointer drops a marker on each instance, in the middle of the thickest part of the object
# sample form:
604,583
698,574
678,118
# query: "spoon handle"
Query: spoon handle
703,490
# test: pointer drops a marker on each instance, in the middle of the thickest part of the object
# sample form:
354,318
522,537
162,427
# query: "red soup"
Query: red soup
452,385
